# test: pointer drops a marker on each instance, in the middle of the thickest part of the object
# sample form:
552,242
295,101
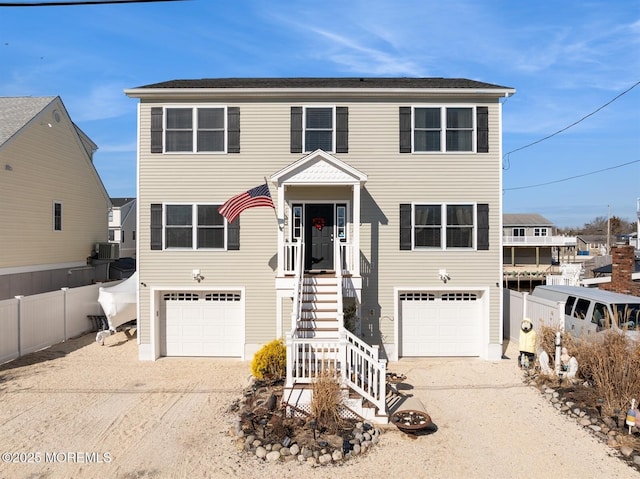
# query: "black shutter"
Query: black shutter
405,226
342,129
156,130
405,129
233,234
482,125
296,129
233,129
156,226
483,226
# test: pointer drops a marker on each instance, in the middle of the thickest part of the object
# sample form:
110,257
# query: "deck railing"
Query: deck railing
345,254
539,241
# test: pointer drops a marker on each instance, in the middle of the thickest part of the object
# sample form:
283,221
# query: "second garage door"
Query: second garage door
203,323
440,323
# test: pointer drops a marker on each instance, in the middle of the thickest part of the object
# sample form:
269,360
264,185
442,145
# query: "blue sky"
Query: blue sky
566,59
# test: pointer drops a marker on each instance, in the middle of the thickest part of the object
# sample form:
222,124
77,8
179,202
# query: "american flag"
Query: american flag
258,196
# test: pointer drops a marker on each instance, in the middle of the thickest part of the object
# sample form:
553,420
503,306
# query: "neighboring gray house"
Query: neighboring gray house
529,242
387,195
53,204
122,225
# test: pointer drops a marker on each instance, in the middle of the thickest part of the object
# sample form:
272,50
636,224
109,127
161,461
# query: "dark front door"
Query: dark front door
318,232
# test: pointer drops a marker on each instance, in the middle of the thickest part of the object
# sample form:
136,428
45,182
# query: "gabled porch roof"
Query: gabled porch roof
319,167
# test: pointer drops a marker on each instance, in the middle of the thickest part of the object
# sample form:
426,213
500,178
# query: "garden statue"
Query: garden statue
543,359
569,364
572,368
527,343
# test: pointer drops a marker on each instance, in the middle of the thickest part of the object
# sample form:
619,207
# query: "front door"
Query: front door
318,232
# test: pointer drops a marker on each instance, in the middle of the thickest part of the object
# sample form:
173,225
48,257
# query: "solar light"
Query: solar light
313,425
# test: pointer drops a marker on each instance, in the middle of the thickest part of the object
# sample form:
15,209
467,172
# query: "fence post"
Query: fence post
525,297
64,311
19,298
561,306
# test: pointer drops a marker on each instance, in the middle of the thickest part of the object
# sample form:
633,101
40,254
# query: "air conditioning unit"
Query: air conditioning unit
108,250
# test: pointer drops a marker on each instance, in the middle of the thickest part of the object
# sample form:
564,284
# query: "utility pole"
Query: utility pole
608,229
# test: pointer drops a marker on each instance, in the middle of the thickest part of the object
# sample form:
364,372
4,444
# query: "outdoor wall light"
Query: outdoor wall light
195,274
444,276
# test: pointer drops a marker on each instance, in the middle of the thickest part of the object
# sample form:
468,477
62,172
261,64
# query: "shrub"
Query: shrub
326,400
270,362
612,364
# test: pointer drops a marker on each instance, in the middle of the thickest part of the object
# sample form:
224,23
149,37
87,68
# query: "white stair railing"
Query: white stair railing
357,363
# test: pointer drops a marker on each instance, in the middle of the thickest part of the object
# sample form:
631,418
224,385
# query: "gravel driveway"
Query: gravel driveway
80,410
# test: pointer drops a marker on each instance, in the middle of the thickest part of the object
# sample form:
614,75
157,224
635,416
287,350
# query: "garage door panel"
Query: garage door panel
203,324
440,323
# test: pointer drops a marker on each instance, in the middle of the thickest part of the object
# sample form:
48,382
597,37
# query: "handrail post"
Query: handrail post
289,372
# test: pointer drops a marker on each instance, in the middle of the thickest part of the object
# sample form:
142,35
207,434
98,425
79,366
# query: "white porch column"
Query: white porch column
356,229
281,227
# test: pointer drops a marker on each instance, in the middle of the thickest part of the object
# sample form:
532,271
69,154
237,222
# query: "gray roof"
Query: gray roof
118,202
15,112
525,219
359,82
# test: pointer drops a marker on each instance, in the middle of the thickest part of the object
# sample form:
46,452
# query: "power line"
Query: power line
571,177
506,155
73,3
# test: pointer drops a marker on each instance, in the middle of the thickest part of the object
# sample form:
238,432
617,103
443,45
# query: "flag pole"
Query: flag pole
274,208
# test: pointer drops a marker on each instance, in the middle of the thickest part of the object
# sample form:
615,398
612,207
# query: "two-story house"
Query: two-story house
387,195
122,225
53,204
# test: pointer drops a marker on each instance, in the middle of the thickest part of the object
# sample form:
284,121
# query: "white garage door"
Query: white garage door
440,323
203,323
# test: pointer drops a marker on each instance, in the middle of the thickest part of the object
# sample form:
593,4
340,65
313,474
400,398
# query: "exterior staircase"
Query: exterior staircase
318,341
319,308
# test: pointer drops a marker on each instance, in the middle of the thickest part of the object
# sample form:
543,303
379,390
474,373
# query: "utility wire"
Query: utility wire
506,155
73,3
571,177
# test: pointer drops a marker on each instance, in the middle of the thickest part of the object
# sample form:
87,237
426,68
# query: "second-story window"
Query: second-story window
540,232
195,130
446,129
318,129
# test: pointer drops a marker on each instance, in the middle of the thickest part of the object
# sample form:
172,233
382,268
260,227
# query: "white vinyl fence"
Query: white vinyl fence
31,323
539,310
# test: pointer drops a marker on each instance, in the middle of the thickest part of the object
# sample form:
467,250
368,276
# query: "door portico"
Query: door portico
318,205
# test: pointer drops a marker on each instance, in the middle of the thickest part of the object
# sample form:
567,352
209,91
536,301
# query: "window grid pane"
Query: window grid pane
210,140
427,129
210,227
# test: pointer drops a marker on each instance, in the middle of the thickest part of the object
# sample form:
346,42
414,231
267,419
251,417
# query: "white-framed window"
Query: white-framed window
444,226
112,234
438,129
341,222
195,129
319,125
57,216
296,226
540,232
194,226
518,232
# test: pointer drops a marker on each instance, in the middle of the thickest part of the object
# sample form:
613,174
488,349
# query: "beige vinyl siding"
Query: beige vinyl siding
49,164
393,178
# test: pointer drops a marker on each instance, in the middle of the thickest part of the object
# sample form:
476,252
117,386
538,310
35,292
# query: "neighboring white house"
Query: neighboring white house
53,204
122,225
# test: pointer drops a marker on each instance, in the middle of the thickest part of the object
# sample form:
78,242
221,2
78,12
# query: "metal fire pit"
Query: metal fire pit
411,420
